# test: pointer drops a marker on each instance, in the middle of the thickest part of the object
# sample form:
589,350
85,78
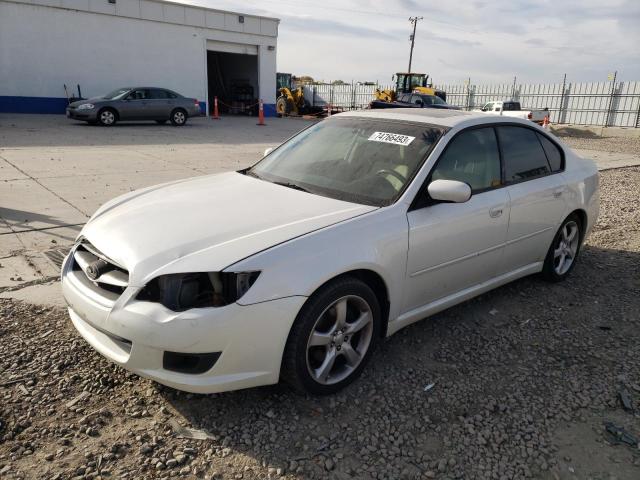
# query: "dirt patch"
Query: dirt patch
524,378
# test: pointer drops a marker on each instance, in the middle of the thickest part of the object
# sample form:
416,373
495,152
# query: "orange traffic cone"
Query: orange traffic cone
261,114
545,122
215,115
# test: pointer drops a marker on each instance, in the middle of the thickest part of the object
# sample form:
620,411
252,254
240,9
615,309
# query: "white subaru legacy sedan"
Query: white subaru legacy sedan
297,267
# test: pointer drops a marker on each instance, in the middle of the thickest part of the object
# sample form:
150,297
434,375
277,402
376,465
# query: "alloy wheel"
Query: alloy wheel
566,248
179,118
339,340
107,117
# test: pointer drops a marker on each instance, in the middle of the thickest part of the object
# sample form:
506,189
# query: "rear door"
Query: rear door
160,104
532,165
453,246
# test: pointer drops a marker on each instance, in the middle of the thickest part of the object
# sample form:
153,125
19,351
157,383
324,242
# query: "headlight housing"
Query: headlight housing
86,106
183,291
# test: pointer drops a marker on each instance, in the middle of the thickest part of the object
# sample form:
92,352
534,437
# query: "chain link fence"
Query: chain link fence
596,103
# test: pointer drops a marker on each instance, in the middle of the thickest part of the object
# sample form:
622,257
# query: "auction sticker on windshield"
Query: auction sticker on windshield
394,138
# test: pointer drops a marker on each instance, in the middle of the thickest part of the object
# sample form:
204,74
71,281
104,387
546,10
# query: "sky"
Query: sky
488,41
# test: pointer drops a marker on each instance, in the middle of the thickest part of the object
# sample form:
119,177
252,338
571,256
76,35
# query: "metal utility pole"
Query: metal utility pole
412,37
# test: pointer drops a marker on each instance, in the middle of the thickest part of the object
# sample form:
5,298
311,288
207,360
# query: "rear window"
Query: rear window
523,156
554,155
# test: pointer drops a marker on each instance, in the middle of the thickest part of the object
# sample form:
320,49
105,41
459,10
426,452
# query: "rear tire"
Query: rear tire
563,252
332,338
107,117
179,117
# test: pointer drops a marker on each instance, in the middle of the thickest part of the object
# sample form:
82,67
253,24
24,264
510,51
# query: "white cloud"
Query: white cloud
489,41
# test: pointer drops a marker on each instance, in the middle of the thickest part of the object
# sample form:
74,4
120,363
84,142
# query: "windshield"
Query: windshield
360,160
116,93
432,100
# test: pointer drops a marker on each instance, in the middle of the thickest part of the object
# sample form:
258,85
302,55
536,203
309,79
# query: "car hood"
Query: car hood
206,223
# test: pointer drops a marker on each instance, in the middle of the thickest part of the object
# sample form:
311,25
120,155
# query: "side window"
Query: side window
471,157
488,107
139,95
554,155
416,99
522,154
158,94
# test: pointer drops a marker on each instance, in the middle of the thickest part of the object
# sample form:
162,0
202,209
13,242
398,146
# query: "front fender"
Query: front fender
376,241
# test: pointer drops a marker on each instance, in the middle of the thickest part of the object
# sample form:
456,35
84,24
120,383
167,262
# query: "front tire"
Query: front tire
283,106
107,117
179,117
332,338
563,252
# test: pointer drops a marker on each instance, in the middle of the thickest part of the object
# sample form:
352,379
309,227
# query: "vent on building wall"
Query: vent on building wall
112,1
240,19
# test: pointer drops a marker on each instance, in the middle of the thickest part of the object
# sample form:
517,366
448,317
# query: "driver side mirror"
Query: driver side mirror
449,191
267,151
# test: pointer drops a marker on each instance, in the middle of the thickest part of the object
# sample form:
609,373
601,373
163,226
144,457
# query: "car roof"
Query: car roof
433,116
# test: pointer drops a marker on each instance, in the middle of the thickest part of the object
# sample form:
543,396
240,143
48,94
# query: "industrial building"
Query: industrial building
101,45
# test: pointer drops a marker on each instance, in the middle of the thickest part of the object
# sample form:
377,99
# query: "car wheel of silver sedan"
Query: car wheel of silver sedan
178,117
562,254
333,337
107,117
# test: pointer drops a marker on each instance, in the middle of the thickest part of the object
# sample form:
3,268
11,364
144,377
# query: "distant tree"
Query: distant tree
338,82
304,79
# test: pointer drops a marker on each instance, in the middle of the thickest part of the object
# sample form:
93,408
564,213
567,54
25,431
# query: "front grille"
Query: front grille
98,269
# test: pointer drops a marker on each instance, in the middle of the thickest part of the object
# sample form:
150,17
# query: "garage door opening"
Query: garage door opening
233,78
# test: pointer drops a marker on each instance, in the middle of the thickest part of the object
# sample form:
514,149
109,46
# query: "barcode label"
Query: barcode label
394,138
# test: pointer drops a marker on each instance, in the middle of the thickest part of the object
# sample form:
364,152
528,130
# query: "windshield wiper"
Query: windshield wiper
292,185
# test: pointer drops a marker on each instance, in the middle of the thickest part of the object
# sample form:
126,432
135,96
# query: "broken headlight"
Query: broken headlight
182,291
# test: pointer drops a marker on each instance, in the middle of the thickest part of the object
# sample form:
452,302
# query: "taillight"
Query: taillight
530,116
196,102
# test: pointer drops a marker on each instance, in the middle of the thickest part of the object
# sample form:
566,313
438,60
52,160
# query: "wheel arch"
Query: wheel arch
376,283
109,107
582,216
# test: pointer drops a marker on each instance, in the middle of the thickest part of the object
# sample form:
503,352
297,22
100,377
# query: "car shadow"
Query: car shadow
423,380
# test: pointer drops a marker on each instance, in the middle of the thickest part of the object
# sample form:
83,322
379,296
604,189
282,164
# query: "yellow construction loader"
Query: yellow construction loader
407,83
291,102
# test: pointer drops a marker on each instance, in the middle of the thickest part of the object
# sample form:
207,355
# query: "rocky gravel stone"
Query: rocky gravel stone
523,378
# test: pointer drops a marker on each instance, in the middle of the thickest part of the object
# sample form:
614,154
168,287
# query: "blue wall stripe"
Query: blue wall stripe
32,104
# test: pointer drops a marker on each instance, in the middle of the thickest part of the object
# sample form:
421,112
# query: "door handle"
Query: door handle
557,193
495,212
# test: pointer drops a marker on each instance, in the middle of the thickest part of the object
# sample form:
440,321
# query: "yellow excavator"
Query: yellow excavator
407,83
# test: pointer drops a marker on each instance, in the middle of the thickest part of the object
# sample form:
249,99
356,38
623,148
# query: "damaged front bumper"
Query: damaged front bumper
202,350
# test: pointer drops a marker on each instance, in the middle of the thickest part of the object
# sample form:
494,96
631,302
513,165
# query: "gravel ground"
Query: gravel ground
583,139
523,379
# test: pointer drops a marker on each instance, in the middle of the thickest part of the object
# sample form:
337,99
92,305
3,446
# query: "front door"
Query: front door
453,246
135,106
